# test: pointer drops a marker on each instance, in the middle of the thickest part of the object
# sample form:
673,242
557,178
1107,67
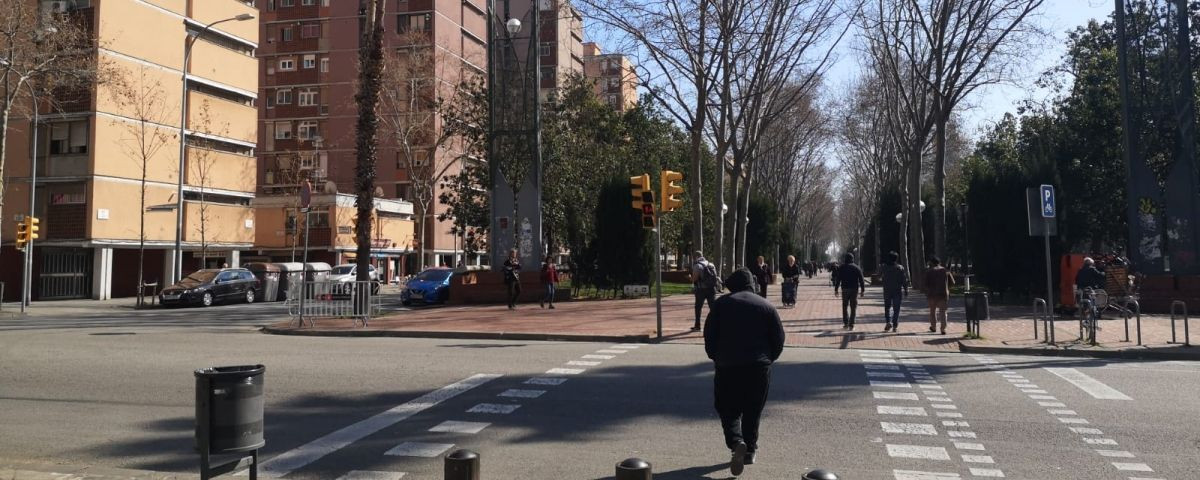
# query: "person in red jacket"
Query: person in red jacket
550,280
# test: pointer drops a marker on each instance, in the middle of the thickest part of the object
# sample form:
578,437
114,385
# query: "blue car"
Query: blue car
429,286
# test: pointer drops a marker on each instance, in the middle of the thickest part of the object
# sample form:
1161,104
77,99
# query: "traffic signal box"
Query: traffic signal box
27,230
642,199
672,190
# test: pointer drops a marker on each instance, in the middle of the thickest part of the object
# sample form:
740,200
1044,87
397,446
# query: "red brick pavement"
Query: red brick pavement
815,321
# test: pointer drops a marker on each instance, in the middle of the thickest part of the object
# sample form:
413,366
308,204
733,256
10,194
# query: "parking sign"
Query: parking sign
1047,196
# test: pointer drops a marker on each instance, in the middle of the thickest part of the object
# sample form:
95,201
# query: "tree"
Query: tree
203,158
366,143
146,130
41,53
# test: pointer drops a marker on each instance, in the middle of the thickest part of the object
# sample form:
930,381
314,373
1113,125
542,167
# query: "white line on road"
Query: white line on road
908,428
371,475
911,411
582,363
609,350
968,446
895,396
565,371
1114,453
498,408
871,373
1088,384
987,472
918,451
599,357
298,457
1133,467
519,393
1086,430
916,475
545,381
978,459
454,426
879,383
419,449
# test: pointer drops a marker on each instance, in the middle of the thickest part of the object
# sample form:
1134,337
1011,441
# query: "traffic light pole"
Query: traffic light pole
658,272
27,271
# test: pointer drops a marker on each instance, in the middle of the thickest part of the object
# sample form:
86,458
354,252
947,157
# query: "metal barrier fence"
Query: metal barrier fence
358,301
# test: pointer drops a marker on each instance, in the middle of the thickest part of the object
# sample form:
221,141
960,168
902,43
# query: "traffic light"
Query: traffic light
26,231
672,190
648,220
638,187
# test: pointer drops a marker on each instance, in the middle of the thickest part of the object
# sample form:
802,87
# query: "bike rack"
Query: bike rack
1137,311
1186,335
1047,320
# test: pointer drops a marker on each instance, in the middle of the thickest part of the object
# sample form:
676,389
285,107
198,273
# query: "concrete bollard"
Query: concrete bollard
462,465
820,474
634,469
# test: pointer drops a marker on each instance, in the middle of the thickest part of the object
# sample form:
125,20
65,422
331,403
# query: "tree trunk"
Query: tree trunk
939,187
916,235
743,201
142,239
902,231
366,131
719,213
421,220
878,247
696,184
730,251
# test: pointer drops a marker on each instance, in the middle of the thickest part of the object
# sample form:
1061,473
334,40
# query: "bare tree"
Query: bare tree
366,143
869,157
145,123
203,157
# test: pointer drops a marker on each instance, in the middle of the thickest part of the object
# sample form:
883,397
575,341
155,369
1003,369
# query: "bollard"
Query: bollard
820,474
634,469
462,465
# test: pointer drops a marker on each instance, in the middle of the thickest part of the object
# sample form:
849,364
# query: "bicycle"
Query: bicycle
1088,315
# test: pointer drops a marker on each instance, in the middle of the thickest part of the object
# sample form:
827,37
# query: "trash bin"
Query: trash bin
976,306
229,409
268,279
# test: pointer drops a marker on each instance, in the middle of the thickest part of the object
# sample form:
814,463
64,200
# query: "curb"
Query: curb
1180,353
558,337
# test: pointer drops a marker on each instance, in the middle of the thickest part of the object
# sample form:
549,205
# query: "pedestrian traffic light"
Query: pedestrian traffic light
26,231
672,190
639,186
648,220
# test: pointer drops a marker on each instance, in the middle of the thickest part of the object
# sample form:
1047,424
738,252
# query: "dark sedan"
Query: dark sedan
206,287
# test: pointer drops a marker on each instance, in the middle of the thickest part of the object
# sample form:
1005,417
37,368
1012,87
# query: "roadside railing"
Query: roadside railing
355,300
1175,307
1046,317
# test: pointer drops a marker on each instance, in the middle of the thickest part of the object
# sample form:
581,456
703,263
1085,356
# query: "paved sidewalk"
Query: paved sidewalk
39,471
815,321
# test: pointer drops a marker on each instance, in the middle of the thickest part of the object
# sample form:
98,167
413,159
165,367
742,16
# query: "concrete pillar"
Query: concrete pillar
234,259
102,264
168,268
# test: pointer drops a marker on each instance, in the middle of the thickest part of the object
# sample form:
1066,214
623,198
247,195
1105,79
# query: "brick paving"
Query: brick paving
815,321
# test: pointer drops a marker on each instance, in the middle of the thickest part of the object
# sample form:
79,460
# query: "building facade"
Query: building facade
560,46
95,208
613,74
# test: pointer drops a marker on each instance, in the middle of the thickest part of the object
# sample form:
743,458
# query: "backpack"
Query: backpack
709,278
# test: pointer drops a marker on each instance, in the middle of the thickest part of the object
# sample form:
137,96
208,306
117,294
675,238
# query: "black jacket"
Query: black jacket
742,328
1090,277
849,277
790,271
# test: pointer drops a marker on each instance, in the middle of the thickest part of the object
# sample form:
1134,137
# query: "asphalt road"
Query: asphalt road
121,395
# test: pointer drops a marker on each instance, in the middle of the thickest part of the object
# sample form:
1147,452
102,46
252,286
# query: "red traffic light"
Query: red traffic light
647,209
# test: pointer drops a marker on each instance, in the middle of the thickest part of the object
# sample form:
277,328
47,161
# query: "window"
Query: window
547,74
310,30
308,3
287,64
283,130
414,23
283,96
325,65
310,61
307,98
545,48
287,3
307,130
285,34
67,138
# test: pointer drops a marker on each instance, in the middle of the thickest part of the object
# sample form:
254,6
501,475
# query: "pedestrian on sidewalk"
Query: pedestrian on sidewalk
791,278
512,278
937,291
833,277
762,275
549,280
850,278
894,278
705,285
743,336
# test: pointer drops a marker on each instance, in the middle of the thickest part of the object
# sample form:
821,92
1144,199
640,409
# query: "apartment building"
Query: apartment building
560,44
308,76
614,75
89,181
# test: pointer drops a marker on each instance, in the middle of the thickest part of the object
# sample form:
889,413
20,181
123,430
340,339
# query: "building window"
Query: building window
414,23
68,138
547,74
310,30
308,3
310,61
283,130
285,34
283,96
325,65
545,48
287,64
307,130
307,98
287,3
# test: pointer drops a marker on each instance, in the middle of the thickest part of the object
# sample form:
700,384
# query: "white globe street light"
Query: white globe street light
513,26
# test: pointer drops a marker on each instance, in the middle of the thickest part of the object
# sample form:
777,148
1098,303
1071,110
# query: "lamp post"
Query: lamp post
188,42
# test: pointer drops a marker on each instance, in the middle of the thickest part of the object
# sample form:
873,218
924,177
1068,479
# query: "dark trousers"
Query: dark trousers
891,304
849,306
762,289
514,291
740,395
702,295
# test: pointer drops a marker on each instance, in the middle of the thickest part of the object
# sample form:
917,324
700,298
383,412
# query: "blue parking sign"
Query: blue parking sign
1047,197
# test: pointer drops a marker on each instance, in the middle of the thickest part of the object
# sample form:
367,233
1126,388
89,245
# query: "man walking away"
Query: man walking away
512,278
743,336
937,287
894,278
762,275
850,278
705,285
833,277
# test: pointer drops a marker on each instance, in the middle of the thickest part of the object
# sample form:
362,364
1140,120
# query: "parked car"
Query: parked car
429,286
209,286
343,276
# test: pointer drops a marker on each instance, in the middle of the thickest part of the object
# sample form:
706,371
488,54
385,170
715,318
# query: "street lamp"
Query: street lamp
513,26
188,42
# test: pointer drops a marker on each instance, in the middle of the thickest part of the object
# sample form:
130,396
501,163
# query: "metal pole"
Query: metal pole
177,255
1049,282
27,271
658,275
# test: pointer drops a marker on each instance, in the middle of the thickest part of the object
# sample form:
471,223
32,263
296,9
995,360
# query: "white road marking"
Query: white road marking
565,371
1034,390
987,472
960,434
881,383
582,363
371,475
298,457
939,399
454,426
1062,412
927,382
1114,453
1099,441
918,451
518,393
978,459
599,357
968,446
1133,467
1086,430
931,387
1042,397
944,406
1073,420
955,423
891,410
545,381
628,345
609,350
949,414
1088,384
1052,404
419,449
909,361
895,396
908,428
881,367
872,373
498,408
916,475
877,360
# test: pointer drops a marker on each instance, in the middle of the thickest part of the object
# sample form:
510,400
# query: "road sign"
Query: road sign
1047,196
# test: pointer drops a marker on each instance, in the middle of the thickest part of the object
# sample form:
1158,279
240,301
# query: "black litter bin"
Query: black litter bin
229,409
976,304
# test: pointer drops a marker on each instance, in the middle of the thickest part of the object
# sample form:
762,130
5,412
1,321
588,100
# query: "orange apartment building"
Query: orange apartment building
614,75
88,185
560,45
